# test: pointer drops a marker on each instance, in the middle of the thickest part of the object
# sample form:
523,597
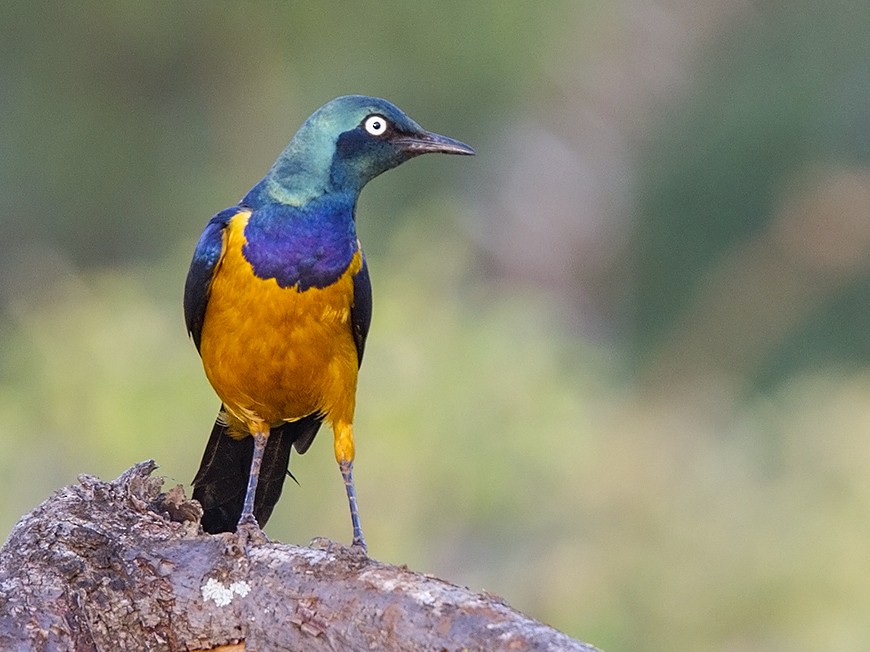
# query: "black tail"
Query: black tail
222,479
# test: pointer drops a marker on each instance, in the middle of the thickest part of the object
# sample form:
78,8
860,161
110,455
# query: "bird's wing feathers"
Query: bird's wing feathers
206,260
361,310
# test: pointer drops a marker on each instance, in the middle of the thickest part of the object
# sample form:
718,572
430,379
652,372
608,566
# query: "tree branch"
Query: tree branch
123,566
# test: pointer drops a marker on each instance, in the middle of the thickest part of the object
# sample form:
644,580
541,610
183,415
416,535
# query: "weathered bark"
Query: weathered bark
122,566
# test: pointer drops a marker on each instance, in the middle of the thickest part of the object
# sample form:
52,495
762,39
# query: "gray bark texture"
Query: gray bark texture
122,565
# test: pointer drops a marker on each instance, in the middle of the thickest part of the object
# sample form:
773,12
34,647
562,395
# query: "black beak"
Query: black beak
427,142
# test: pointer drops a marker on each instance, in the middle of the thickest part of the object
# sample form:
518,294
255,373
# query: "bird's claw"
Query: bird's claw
360,545
248,533
357,549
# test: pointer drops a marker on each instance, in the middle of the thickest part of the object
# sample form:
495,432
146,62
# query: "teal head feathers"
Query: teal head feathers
346,143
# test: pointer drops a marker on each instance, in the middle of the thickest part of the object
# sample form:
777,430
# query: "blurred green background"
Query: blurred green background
619,369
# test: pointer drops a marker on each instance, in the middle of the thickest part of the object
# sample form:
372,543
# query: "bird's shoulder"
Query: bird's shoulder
361,309
206,260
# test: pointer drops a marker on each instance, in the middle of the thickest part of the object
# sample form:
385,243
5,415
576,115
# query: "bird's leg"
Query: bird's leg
347,474
247,518
344,454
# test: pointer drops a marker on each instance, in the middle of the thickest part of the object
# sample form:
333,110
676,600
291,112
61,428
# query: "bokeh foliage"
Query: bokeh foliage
652,435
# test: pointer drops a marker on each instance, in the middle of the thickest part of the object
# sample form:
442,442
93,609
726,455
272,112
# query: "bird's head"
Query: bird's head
346,143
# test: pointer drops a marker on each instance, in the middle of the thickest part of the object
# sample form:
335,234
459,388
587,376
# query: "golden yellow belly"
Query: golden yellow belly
275,354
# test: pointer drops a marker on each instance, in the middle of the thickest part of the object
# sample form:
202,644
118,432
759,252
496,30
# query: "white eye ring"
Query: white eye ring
376,125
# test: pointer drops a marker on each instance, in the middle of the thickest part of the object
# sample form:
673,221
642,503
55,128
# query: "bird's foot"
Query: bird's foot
249,533
359,543
355,551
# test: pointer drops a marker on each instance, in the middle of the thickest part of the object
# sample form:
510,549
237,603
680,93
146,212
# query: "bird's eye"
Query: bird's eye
376,125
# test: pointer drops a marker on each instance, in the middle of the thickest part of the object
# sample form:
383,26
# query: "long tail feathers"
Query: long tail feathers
222,478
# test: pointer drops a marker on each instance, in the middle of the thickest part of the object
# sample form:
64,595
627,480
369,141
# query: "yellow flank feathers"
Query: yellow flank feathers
276,354
343,441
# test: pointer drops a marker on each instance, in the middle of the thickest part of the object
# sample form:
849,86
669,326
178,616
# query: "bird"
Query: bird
278,302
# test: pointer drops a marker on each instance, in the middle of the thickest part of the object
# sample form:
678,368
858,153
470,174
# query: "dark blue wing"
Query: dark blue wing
206,259
361,310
